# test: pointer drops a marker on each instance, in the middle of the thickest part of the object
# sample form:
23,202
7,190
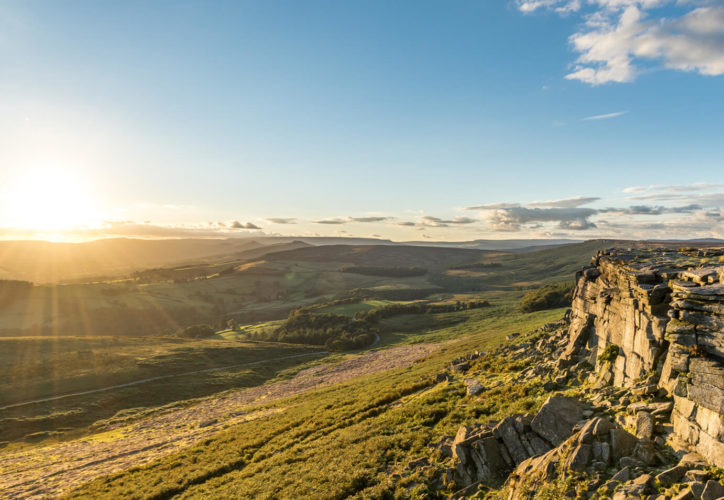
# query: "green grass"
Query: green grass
345,439
39,367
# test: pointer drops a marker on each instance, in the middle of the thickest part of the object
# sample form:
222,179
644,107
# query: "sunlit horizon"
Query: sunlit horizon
259,118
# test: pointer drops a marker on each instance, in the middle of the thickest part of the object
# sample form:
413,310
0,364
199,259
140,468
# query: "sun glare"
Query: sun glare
53,201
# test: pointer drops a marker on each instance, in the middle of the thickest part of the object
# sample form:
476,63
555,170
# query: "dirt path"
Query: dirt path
47,471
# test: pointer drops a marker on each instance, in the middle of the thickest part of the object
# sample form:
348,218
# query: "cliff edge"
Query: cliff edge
658,314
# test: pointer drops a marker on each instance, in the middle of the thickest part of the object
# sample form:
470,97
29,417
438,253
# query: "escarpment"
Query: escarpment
633,380
663,312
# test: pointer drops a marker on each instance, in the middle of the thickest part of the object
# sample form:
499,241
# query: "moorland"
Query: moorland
312,363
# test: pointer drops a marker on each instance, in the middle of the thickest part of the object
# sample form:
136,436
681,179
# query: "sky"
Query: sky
405,120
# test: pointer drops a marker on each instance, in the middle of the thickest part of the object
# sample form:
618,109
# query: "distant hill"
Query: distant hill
47,262
387,255
496,244
50,262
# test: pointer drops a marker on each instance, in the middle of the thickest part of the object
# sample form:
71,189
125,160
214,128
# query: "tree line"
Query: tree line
339,333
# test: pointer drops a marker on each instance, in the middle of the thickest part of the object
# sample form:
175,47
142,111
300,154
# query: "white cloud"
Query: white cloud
514,219
621,37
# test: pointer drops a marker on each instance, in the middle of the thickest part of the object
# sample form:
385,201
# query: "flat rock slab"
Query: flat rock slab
556,418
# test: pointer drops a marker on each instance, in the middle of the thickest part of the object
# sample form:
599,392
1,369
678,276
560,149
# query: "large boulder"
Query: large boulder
556,419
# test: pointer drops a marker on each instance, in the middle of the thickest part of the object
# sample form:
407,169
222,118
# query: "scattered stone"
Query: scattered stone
556,418
652,323
671,476
630,490
645,390
712,491
473,387
579,458
623,475
692,461
685,494
461,367
207,423
630,462
697,488
644,425
622,443
445,445
696,475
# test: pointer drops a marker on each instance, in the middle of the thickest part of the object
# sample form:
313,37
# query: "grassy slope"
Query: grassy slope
33,368
343,439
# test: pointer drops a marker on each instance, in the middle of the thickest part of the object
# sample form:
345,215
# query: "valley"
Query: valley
160,416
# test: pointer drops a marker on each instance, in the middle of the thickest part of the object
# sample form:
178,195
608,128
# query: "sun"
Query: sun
50,201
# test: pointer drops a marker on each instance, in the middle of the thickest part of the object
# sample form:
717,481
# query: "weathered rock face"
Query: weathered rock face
664,311
487,453
615,305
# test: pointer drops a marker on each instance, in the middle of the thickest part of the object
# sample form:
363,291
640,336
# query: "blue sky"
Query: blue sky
553,117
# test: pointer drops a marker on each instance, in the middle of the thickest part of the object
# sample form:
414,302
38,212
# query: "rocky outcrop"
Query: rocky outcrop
642,351
658,315
615,305
592,446
487,453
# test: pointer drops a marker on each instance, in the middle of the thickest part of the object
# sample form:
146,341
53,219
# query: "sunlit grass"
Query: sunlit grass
343,439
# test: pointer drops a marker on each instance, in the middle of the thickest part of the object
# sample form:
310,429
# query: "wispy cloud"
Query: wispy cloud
675,188
345,220
576,201
368,219
282,220
429,221
652,210
493,206
336,221
605,116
